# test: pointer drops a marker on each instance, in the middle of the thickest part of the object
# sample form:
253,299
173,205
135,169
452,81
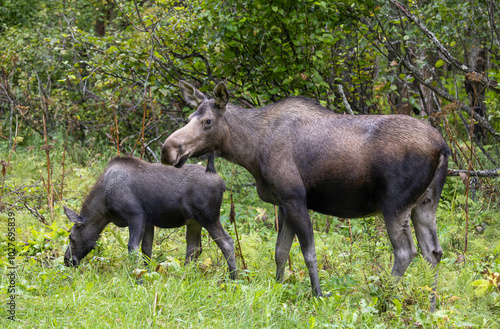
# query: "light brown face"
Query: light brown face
194,139
201,134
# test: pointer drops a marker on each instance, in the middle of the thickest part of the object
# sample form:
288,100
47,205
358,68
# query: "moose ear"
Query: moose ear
73,216
191,95
221,96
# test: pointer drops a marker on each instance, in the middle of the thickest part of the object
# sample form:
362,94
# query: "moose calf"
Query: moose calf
142,195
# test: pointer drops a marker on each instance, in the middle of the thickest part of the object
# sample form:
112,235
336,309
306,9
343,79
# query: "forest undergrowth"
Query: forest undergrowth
355,258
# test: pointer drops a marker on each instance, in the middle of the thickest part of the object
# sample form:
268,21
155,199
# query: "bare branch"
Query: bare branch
492,84
128,19
476,173
495,34
139,15
207,65
344,100
33,211
442,93
156,138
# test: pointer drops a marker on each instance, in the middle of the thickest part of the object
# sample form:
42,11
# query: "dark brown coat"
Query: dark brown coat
143,195
303,156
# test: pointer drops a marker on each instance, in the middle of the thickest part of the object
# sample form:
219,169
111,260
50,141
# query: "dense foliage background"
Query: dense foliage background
81,81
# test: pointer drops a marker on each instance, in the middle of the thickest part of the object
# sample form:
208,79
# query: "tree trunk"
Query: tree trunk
477,60
104,17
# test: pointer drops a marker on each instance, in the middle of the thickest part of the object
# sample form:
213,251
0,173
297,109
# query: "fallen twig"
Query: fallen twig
35,213
477,173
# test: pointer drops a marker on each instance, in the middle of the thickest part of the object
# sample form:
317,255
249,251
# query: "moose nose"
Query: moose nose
170,152
68,262
71,261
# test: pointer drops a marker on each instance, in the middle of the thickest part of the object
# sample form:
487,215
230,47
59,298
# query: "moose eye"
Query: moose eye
208,122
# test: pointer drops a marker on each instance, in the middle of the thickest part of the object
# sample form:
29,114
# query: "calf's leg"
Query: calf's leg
193,241
147,240
225,244
137,226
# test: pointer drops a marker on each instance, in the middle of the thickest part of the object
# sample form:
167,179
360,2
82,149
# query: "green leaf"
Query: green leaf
482,287
312,322
398,304
439,63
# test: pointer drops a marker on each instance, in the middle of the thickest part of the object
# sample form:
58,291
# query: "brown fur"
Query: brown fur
142,196
303,156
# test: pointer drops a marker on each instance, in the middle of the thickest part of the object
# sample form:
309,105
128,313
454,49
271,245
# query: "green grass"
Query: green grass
103,291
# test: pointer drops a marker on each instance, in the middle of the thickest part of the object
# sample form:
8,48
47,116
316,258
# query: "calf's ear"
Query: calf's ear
221,96
191,95
73,216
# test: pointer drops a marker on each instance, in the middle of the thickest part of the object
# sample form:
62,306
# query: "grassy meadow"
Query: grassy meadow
355,258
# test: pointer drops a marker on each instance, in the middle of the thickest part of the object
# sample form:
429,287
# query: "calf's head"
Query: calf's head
81,240
203,131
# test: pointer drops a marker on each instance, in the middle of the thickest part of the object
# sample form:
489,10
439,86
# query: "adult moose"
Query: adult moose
143,195
303,156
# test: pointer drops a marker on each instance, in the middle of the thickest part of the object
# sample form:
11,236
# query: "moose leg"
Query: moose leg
423,217
193,241
424,220
147,240
399,231
136,232
283,245
225,244
297,217
136,228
